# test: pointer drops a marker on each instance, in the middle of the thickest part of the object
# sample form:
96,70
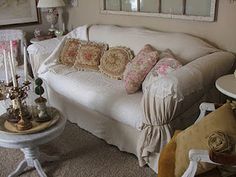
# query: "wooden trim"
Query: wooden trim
184,7
213,9
162,15
159,4
104,5
138,5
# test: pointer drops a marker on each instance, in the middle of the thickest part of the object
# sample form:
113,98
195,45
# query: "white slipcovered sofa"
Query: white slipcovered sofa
140,123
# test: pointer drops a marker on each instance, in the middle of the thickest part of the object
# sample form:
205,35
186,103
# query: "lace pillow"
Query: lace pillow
114,61
5,45
69,52
137,70
165,65
89,55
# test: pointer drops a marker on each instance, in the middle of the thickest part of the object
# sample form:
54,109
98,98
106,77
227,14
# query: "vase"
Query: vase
43,115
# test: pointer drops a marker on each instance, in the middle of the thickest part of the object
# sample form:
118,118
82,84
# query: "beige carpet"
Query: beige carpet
81,155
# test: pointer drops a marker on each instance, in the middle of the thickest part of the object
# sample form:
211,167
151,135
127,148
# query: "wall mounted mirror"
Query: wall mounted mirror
201,10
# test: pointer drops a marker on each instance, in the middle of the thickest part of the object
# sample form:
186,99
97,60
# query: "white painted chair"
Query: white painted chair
13,34
196,155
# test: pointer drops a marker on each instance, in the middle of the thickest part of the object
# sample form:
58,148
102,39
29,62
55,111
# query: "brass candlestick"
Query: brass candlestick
24,123
18,112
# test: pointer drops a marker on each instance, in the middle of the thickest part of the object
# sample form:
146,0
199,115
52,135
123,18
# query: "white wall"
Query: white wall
221,33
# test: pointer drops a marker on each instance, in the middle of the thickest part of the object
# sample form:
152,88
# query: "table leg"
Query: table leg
33,158
47,158
39,169
20,168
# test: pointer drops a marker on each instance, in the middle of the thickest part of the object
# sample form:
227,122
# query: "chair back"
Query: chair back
14,34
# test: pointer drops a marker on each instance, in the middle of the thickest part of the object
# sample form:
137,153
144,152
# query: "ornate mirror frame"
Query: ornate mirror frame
183,13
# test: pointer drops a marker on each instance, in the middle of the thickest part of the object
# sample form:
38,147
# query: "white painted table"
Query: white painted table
227,85
29,145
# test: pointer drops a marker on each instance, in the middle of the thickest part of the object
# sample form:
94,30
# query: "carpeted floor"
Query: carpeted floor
81,155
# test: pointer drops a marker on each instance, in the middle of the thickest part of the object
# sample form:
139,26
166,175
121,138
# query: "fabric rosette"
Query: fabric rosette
219,142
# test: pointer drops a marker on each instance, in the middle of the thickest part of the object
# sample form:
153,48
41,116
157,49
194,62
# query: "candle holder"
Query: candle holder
2,90
18,112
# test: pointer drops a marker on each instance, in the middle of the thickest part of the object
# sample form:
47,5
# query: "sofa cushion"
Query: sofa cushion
69,51
186,47
197,136
137,70
89,55
99,93
114,61
165,65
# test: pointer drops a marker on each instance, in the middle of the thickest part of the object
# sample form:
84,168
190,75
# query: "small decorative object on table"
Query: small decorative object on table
37,32
59,33
43,115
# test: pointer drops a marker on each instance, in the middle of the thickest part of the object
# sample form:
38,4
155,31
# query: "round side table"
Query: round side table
28,143
227,85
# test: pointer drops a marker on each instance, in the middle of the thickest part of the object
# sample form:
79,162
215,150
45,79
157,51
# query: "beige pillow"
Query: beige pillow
89,55
197,135
69,52
114,61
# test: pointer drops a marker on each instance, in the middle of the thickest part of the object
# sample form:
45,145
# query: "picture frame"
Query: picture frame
14,12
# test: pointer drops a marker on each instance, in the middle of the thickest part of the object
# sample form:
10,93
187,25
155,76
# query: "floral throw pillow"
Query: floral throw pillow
165,65
114,61
69,52
140,66
5,45
89,55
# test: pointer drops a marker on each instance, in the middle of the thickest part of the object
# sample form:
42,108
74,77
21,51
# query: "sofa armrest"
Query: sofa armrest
40,51
196,156
203,72
189,83
45,46
78,33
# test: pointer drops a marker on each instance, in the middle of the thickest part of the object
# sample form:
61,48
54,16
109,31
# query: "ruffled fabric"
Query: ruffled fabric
164,98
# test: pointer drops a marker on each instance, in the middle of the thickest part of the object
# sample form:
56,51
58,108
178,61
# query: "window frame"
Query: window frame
210,18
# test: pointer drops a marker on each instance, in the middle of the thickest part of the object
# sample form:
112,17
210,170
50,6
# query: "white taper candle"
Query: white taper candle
12,71
5,65
12,57
25,66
